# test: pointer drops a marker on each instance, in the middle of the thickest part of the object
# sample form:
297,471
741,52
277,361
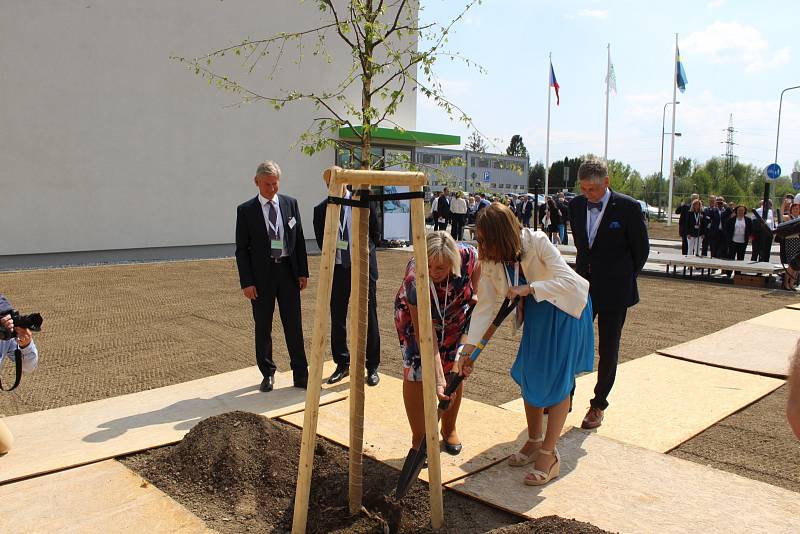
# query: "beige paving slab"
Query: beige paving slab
744,346
659,402
627,489
785,318
75,435
488,433
102,497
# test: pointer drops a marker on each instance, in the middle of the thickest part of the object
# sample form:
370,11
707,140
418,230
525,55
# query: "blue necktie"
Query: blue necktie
595,205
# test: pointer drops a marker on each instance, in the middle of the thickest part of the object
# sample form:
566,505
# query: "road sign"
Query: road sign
773,171
487,177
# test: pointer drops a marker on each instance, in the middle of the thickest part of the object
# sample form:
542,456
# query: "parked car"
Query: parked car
645,209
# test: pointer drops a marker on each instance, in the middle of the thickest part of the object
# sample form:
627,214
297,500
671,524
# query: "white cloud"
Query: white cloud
733,42
714,4
600,14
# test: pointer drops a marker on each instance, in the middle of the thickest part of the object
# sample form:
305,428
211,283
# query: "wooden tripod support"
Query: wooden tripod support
337,178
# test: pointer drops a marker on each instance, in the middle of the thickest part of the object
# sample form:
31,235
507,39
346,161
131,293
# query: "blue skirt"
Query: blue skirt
555,348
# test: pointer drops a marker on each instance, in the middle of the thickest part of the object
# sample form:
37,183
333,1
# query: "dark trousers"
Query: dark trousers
281,286
762,246
736,250
707,242
439,225
685,245
457,228
609,327
719,246
526,221
340,300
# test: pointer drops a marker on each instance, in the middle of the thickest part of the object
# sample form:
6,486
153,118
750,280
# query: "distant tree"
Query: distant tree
516,147
536,177
475,143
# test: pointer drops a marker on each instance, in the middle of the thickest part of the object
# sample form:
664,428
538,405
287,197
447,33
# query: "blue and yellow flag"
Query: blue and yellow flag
680,74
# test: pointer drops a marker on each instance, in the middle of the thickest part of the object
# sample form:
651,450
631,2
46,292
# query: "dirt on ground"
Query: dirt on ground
550,524
237,471
112,330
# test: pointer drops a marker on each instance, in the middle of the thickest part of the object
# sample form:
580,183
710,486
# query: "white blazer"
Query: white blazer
546,272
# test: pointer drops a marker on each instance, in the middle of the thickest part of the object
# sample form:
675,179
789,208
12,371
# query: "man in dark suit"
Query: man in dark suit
719,215
610,235
272,262
712,203
442,212
527,211
340,292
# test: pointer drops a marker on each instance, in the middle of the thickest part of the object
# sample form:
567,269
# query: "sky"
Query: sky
738,57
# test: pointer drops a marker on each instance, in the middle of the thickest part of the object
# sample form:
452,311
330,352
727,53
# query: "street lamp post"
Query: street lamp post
764,210
661,171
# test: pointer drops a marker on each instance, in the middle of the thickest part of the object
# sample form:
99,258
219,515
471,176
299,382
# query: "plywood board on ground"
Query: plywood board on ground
794,306
785,318
623,488
744,346
102,497
488,433
659,402
75,435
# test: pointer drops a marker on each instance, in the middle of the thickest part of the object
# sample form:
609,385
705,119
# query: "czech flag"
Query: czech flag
680,74
554,82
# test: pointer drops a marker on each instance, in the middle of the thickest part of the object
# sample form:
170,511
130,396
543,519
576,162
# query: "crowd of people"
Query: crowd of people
458,209
724,230
556,310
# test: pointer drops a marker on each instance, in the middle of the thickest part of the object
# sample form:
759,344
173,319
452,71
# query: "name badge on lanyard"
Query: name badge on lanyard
441,311
342,244
275,243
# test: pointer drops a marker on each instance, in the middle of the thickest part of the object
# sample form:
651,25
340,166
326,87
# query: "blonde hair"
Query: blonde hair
441,246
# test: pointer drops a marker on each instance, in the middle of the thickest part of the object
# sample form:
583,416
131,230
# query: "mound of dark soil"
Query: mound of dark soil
551,524
237,471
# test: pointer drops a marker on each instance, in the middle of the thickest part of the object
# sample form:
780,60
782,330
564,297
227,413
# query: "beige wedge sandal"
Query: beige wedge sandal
519,459
540,478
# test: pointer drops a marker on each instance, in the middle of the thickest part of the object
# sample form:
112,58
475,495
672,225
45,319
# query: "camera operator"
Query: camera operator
29,360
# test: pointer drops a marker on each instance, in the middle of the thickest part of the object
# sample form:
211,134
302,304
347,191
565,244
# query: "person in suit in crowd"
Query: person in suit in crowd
610,235
712,202
441,212
719,215
694,227
789,248
682,212
527,211
458,216
272,263
340,290
555,313
738,231
551,220
762,243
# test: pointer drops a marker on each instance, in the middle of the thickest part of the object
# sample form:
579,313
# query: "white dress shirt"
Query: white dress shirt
738,231
594,217
348,223
770,217
279,220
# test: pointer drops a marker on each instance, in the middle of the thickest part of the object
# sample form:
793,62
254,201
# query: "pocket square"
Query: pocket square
614,225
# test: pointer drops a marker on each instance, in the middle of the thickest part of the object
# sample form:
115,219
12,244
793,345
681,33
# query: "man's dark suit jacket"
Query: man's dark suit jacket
620,249
713,224
253,246
320,211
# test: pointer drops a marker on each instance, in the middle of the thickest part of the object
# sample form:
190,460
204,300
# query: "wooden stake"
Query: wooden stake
361,176
359,290
426,349
321,323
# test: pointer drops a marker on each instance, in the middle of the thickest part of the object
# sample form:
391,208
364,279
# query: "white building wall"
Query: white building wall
107,143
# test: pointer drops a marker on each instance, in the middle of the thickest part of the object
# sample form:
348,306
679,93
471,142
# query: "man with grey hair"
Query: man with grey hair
272,262
610,235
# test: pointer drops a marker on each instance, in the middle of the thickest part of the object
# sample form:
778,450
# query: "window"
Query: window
428,159
452,161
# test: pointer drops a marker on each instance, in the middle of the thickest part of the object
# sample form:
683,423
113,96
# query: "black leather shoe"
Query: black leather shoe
373,377
340,372
267,384
453,449
301,381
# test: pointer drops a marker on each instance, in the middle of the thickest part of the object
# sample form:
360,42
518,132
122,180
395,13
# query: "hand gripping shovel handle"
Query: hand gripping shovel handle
416,458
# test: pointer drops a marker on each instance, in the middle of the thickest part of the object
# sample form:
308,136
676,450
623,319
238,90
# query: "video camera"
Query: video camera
31,322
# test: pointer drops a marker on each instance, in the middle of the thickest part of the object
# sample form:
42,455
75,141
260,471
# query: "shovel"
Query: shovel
416,457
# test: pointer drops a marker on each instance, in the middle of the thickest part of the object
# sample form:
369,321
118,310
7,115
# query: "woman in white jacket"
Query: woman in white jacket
557,337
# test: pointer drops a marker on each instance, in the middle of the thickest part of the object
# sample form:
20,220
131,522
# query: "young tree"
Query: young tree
516,147
383,38
475,143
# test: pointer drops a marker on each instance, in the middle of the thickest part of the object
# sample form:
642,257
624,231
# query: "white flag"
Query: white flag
611,79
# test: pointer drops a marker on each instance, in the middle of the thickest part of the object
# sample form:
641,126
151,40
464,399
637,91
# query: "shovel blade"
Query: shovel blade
411,469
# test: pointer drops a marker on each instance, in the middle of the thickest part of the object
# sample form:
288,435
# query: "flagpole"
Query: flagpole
672,133
547,145
608,82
